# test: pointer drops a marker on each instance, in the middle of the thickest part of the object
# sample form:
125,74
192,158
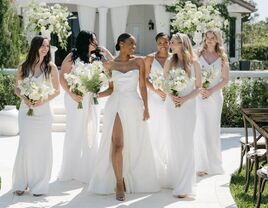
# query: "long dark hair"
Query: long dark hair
33,58
83,40
121,38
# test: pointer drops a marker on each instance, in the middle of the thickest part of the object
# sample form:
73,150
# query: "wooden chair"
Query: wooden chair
263,177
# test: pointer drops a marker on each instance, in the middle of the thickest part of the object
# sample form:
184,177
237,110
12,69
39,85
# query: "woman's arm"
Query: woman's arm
107,53
109,90
17,90
143,89
66,68
148,64
106,92
224,80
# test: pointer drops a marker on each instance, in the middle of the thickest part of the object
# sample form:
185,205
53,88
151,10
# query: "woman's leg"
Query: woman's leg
117,157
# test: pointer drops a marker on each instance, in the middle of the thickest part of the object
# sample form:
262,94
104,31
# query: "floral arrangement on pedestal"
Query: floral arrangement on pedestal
195,20
48,20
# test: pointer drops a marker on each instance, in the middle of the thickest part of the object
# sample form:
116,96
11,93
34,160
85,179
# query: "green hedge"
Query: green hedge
7,94
243,93
255,52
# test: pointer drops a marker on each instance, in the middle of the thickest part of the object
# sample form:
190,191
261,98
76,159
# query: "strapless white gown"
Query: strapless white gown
138,163
207,134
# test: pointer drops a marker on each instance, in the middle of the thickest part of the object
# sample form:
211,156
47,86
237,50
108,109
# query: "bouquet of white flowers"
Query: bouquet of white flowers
35,91
208,76
95,78
157,79
49,19
74,80
191,19
176,81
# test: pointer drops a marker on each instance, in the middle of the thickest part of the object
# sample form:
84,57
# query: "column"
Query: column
86,17
162,21
102,25
238,27
119,20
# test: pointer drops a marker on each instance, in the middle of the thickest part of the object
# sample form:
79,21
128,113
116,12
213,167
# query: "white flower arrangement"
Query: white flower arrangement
157,79
208,76
49,19
95,78
74,80
176,81
35,91
190,18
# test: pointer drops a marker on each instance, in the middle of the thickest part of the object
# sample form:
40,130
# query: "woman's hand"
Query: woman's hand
205,93
38,103
27,102
146,114
75,97
161,94
178,101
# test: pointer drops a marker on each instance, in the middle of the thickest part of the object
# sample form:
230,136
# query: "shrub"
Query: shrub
7,94
243,93
12,41
255,52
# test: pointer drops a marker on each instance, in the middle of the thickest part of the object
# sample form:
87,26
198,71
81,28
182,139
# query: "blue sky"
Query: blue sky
262,6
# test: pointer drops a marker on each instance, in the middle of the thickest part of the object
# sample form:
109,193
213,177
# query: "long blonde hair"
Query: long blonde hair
188,55
219,48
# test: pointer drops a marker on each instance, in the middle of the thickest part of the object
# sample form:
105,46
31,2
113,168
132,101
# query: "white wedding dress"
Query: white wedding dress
138,162
80,142
207,134
157,126
181,120
33,162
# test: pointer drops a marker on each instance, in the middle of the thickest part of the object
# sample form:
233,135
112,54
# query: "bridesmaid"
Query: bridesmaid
125,159
209,106
33,162
182,119
156,98
80,145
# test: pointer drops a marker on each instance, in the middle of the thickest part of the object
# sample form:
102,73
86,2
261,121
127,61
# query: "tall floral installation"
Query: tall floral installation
194,19
48,20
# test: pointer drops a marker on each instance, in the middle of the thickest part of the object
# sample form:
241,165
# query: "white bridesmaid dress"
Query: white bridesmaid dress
181,120
138,162
207,134
80,142
33,162
157,127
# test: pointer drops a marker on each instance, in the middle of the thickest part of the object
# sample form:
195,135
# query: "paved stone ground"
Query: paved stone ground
210,191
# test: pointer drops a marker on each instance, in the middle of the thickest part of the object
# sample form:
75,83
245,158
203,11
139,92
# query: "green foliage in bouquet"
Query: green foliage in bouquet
93,85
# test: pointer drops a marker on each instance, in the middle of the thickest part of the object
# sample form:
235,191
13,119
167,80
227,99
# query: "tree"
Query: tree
12,40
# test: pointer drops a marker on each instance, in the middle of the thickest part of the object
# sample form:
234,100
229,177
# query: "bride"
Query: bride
125,158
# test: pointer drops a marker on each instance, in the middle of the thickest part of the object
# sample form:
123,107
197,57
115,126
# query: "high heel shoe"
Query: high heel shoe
19,193
120,191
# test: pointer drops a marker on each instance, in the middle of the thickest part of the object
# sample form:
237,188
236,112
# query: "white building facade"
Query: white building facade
142,18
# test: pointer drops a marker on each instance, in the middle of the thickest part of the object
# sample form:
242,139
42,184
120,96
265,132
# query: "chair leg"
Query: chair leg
260,192
242,153
248,164
255,177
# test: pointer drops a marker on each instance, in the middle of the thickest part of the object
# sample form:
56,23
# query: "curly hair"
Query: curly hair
219,48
